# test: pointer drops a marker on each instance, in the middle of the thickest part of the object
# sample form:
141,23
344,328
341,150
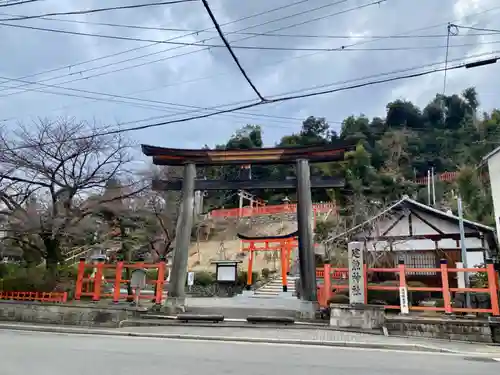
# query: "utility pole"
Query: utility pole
433,187
429,187
463,248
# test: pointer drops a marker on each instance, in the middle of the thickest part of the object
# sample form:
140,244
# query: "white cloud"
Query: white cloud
211,77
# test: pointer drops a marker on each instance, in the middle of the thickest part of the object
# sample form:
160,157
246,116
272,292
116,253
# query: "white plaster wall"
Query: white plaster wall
494,173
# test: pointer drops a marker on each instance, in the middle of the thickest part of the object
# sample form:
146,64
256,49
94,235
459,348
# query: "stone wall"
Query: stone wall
77,315
475,330
357,316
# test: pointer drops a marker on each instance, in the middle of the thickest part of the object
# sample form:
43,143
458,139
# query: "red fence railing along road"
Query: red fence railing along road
53,297
91,285
325,290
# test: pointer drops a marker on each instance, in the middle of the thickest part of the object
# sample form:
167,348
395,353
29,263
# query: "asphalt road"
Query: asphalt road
56,354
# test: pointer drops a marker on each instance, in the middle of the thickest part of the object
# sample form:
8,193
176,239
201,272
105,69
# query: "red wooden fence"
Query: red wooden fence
54,297
91,286
325,290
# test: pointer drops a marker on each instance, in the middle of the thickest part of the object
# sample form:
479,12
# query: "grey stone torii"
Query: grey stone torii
301,156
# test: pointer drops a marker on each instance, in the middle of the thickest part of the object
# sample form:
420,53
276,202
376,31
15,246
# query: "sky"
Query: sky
162,82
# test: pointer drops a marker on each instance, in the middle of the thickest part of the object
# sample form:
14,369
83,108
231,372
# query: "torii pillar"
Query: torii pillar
307,261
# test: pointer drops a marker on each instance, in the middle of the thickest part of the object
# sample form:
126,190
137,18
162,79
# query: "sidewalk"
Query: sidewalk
278,335
324,337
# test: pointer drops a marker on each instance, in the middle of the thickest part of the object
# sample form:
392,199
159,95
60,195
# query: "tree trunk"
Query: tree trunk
127,259
52,257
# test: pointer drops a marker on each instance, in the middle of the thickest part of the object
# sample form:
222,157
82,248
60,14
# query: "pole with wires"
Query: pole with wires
233,55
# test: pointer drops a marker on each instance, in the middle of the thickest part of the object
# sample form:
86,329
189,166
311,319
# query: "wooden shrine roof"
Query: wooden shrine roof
272,155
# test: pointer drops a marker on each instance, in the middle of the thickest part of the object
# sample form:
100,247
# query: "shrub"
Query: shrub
265,273
242,278
204,278
390,296
416,297
339,298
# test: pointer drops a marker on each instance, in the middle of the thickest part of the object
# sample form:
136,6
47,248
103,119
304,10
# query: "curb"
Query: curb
344,344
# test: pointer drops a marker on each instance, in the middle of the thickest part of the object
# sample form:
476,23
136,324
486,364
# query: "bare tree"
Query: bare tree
52,175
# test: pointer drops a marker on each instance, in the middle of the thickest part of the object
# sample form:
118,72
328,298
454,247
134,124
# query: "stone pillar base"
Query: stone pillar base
308,310
359,316
174,305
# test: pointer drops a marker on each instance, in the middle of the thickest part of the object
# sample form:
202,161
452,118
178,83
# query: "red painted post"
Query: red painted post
65,297
327,277
79,279
160,282
283,258
492,286
118,281
445,287
250,266
402,276
98,282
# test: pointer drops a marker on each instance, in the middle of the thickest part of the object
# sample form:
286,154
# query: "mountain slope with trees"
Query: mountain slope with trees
447,134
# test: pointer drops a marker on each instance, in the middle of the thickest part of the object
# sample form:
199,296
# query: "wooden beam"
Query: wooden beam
433,237
427,222
393,224
316,182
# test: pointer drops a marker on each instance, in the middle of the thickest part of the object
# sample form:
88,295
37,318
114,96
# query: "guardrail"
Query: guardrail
269,210
325,291
53,297
90,285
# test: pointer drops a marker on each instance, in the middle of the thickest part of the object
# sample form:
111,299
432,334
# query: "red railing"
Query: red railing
445,177
91,285
269,210
325,290
54,297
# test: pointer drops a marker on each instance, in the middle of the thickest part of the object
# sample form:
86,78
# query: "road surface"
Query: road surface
58,354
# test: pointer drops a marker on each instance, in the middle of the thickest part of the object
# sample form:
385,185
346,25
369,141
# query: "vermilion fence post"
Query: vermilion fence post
79,279
492,286
98,282
250,266
283,259
159,282
327,285
118,281
402,275
445,287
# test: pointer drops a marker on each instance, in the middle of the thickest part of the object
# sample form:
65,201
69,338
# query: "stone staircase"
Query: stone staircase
275,287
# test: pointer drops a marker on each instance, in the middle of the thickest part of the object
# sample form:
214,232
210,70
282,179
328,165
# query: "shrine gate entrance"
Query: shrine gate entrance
190,159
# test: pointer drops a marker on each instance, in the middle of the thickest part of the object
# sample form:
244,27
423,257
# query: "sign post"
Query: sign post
403,300
356,274
190,280
138,282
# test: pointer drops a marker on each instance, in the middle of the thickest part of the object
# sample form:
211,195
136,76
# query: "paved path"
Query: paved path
58,354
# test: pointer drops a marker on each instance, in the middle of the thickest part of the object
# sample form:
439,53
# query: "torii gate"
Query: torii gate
300,156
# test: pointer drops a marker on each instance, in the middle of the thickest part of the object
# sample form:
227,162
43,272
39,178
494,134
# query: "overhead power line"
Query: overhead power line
263,34
277,100
97,10
161,105
228,46
206,48
11,4
72,66
258,48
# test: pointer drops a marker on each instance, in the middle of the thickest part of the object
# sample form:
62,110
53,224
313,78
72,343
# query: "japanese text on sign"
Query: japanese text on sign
356,274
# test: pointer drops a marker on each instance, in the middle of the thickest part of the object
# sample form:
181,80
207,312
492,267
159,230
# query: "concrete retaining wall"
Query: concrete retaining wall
441,328
76,315
356,316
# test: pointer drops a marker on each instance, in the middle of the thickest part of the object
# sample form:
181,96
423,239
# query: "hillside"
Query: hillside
448,134
227,246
